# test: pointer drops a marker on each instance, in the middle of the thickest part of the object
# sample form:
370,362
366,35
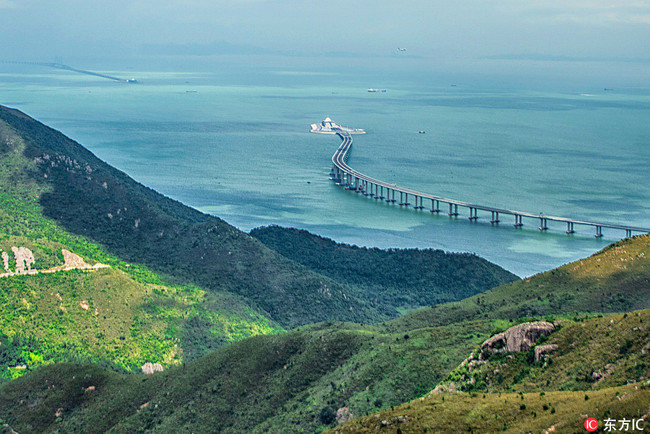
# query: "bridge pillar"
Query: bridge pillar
569,228
435,205
542,224
473,213
381,197
599,232
495,218
453,210
628,233
518,221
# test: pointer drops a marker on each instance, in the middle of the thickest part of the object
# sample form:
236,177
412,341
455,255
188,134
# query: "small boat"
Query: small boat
421,132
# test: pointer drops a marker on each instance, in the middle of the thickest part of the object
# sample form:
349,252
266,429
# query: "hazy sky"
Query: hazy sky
33,29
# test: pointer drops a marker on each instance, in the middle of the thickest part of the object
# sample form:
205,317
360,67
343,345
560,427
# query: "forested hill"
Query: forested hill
87,197
402,278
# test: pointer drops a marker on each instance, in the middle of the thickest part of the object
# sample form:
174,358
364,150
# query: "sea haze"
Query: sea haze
233,141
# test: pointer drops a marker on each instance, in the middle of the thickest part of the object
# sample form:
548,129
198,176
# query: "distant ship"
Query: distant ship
328,126
376,90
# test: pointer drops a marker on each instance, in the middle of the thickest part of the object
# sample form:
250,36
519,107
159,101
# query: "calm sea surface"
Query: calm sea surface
234,142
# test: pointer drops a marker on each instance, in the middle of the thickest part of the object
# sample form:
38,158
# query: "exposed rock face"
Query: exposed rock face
24,259
343,415
151,368
72,260
5,261
519,338
542,349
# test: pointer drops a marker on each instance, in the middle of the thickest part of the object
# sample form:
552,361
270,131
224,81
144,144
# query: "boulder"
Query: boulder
541,349
519,338
151,368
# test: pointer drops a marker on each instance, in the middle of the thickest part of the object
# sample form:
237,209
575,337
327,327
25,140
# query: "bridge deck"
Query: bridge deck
339,160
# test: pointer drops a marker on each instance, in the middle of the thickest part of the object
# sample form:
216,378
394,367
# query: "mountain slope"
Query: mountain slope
587,373
616,279
292,382
388,275
72,188
302,380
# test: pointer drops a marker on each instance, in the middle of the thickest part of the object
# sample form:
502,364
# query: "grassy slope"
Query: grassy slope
388,275
616,279
286,382
562,412
513,391
615,346
139,317
279,383
85,196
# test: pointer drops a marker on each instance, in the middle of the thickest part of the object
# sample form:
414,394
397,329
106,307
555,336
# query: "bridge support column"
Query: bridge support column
495,218
381,195
473,213
518,221
569,228
599,231
542,224
401,198
628,233
435,205
453,210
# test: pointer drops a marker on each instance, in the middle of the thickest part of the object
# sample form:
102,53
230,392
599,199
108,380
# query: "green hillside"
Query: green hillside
616,279
589,373
51,184
298,381
591,354
561,412
292,382
388,276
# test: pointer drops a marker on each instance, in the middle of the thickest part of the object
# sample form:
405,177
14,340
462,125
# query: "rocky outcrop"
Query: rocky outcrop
543,349
519,338
24,259
151,368
343,415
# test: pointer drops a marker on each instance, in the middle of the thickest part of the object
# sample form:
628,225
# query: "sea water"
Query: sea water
233,141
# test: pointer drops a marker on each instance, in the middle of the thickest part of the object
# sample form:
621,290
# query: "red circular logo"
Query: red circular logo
591,424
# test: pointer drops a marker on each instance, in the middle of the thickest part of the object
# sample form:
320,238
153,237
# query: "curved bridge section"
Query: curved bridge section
345,176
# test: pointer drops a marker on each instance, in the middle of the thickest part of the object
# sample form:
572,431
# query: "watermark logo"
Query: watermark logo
621,425
591,424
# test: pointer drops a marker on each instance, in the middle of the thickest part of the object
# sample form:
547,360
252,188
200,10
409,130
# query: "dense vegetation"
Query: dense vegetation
298,381
59,179
292,382
119,317
401,278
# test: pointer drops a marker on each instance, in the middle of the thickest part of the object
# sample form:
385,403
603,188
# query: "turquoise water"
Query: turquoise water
234,143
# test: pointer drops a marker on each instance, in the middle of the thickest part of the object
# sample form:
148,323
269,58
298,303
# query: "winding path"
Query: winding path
350,179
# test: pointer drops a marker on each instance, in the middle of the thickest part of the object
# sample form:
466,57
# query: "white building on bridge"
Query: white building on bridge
328,126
